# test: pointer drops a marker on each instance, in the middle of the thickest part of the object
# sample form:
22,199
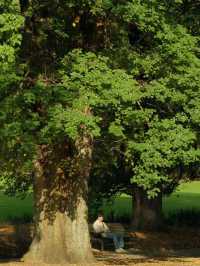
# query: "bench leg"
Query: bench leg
102,246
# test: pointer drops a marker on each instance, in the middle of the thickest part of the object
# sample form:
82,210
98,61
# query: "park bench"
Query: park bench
98,241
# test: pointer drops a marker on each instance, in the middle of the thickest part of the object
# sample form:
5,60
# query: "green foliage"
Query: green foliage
166,146
10,22
161,131
124,72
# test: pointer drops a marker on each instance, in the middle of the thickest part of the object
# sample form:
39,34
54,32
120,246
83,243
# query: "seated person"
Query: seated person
101,228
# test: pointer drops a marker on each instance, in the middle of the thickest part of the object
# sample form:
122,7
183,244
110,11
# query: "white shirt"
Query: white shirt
100,227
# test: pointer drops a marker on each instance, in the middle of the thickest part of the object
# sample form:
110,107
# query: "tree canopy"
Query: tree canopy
75,74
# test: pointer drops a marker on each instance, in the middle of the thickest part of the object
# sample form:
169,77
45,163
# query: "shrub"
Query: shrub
25,219
183,218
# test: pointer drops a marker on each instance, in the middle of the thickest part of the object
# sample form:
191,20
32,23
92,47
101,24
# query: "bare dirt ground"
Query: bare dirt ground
170,248
122,261
181,257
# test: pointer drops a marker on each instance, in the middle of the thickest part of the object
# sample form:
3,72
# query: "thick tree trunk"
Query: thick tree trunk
63,240
61,228
147,213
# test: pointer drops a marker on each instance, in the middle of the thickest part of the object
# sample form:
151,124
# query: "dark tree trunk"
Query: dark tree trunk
61,228
147,213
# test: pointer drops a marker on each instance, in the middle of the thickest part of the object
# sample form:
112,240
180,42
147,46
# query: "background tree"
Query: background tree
161,133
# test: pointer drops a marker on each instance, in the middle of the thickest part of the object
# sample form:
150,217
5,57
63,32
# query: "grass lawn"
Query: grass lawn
14,208
186,197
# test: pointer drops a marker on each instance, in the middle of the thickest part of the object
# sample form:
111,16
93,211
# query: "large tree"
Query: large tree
53,104
30,99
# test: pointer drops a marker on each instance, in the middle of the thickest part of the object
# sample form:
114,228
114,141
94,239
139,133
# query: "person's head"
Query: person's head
100,217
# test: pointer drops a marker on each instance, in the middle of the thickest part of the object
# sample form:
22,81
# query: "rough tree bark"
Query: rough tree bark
61,228
147,213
